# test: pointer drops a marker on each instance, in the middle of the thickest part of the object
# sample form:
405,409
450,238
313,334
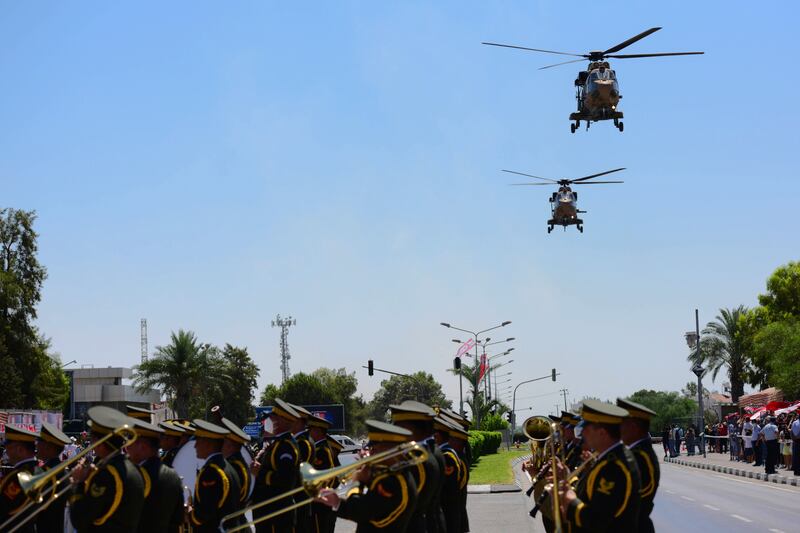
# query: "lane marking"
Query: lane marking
743,519
759,483
688,498
710,507
669,491
777,530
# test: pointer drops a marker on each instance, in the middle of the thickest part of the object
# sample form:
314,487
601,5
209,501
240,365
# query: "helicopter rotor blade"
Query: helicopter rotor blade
596,175
596,182
516,184
625,44
632,56
533,49
559,64
529,176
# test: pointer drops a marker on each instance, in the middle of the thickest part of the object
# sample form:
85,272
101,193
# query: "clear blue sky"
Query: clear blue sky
207,167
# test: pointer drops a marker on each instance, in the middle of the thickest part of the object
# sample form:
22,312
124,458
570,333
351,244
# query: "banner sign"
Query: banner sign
483,368
466,347
333,413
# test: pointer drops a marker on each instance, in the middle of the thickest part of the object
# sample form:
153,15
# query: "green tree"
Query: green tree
723,345
782,299
420,386
323,386
32,378
668,406
239,384
493,422
778,343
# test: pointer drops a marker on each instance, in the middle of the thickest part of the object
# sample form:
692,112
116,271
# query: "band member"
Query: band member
49,447
385,497
21,449
635,430
139,413
163,489
232,450
305,449
275,468
608,500
170,441
109,495
452,476
325,458
459,441
572,448
216,489
188,428
418,419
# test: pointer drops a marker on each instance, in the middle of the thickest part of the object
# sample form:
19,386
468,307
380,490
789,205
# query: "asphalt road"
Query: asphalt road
688,500
701,500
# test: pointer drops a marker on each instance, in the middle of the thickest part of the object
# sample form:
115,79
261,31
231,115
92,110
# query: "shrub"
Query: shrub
484,442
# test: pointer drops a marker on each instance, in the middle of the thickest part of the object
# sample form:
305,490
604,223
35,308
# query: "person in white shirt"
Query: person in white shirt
769,434
747,438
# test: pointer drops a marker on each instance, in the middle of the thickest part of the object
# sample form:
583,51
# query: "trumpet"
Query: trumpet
312,481
36,488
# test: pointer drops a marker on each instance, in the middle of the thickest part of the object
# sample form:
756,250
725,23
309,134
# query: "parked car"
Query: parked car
350,449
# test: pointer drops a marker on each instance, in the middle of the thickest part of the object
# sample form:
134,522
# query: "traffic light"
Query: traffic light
509,417
371,370
457,363
554,374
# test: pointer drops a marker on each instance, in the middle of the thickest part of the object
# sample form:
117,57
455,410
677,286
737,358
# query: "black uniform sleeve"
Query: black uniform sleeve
11,496
175,488
210,491
452,476
283,459
607,495
386,500
97,499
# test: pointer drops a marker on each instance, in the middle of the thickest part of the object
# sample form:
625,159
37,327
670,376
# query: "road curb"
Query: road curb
761,476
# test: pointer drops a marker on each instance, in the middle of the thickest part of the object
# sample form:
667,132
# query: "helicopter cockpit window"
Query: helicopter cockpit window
564,197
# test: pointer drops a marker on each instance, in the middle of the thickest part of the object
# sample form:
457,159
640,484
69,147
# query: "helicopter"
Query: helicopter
564,203
597,89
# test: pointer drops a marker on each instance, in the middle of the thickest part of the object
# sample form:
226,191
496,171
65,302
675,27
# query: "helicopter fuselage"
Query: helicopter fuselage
597,95
564,209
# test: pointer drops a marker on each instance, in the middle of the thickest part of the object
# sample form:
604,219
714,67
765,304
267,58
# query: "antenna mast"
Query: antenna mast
284,324
144,340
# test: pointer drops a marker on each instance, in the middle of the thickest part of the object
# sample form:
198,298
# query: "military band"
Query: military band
606,478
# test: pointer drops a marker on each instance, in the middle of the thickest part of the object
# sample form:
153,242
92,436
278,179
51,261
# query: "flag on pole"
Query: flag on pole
464,348
483,368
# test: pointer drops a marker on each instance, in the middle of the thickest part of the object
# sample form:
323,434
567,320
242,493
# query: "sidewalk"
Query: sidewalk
720,462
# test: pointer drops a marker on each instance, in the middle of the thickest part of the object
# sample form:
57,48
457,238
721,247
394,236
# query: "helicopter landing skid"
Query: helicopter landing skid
616,116
577,222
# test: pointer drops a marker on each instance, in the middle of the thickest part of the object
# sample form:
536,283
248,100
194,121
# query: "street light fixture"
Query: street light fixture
67,364
475,335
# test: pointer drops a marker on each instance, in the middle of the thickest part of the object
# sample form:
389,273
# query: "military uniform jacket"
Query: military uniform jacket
277,475
466,458
242,471
385,504
427,479
572,456
12,499
163,498
52,518
608,498
324,518
111,499
650,475
451,489
433,514
305,452
216,492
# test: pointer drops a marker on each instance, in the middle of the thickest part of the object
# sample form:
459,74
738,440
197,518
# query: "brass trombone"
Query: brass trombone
36,488
312,481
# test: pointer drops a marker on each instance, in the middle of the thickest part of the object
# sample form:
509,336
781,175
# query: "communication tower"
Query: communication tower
284,324
144,340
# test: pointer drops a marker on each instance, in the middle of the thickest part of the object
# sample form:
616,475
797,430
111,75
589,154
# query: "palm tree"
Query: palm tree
176,369
477,401
723,345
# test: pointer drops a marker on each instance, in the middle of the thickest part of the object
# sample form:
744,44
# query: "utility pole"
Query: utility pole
143,324
564,394
284,324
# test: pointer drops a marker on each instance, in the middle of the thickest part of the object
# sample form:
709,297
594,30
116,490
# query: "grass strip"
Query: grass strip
494,469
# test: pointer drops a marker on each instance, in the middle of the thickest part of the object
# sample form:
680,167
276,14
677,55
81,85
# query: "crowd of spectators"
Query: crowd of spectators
771,441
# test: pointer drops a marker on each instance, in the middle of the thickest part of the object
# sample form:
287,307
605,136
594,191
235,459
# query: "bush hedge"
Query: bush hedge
484,442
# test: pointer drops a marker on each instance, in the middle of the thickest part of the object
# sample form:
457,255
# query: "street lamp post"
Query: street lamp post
552,375
489,367
693,340
475,415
